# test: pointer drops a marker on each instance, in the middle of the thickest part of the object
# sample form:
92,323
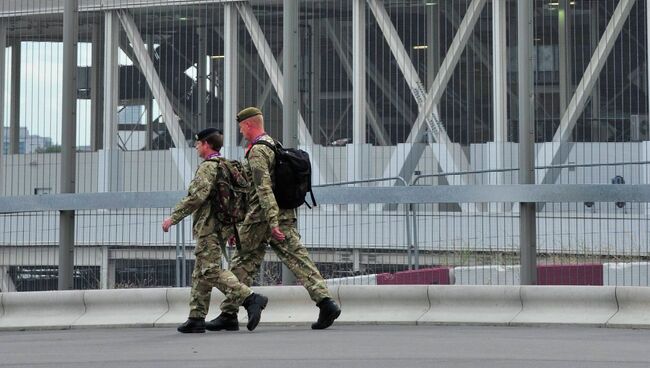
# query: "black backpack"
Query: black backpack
291,176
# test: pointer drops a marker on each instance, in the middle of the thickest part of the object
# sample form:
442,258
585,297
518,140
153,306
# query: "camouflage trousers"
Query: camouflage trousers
246,262
208,274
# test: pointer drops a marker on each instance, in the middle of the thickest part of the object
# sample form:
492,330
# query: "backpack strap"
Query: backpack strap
265,143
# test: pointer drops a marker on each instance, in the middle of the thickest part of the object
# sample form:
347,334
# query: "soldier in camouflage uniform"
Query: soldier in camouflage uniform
266,223
209,234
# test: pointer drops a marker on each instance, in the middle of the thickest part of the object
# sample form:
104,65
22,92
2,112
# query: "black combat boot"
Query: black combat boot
192,325
254,305
329,311
225,321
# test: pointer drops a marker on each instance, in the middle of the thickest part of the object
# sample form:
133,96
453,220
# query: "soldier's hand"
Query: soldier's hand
167,223
277,234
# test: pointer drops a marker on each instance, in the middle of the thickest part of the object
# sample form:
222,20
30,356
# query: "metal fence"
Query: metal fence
401,94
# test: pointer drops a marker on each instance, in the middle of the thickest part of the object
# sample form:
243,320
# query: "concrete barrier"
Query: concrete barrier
626,274
584,305
486,275
383,304
471,304
178,307
123,307
41,309
416,304
633,307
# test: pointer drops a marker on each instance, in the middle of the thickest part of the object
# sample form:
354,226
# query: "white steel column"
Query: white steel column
499,75
554,154
201,79
148,103
96,86
108,169
230,100
111,80
14,117
179,154
359,71
3,76
496,148
355,151
433,41
315,63
564,50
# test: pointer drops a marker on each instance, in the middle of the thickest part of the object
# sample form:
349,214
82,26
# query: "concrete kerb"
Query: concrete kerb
633,307
41,309
123,307
472,304
383,304
2,308
571,305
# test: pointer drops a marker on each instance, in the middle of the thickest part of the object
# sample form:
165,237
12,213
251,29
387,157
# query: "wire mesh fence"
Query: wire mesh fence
438,107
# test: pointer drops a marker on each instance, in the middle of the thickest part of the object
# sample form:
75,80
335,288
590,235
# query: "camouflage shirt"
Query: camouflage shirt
259,166
197,202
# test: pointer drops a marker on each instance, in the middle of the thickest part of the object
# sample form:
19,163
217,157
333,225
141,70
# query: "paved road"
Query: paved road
343,346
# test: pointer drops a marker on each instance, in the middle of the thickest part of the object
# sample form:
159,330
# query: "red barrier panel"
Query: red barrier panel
582,274
428,276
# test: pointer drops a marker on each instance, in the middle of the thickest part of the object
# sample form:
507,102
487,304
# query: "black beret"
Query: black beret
248,112
205,133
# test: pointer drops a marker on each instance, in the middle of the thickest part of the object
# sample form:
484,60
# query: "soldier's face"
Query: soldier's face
200,148
245,129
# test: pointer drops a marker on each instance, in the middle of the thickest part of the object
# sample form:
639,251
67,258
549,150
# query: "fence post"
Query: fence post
527,231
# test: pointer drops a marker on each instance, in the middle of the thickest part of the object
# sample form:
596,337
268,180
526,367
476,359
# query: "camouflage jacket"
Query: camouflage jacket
197,201
259,166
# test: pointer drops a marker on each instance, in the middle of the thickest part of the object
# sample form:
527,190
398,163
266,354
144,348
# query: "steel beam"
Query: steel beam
270,63
455,159
556,154
275,75
341,47
158,90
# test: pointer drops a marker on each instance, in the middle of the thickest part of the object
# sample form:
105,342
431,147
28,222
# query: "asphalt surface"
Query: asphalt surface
341,346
